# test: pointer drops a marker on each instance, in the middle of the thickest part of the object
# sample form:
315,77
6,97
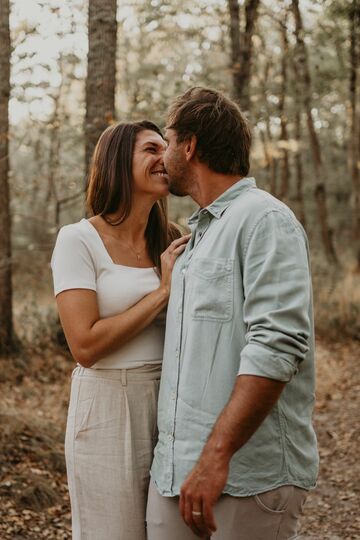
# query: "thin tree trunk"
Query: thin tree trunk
267,138
299,172
284,142
273,170
354,22
267,157
298,134
319,172
234,13
100,82
241,49
6,319
53,163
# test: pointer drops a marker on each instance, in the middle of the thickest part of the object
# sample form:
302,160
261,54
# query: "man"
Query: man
236,451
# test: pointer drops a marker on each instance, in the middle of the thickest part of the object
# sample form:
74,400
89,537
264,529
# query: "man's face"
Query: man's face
176,165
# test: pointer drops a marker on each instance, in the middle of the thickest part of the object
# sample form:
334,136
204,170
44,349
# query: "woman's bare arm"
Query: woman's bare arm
90,338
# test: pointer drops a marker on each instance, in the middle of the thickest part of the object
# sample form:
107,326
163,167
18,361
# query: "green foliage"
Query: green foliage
165,46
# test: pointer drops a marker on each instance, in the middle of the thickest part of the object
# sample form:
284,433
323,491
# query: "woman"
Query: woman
112,281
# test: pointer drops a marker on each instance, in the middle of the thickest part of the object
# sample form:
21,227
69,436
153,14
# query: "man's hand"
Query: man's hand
200,491
252,399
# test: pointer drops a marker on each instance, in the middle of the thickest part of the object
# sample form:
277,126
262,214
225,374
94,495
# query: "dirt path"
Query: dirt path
33,495
332,510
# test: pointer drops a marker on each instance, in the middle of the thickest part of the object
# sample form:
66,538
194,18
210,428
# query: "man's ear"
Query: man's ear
190,148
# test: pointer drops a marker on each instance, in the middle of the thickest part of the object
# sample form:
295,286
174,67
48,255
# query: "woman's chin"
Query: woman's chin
164,192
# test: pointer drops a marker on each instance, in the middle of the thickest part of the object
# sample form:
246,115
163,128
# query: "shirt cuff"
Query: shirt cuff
264,362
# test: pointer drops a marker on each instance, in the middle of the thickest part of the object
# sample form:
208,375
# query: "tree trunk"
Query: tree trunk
299,172
241,49
319,172
54,158
100,82
234,13
284,139
267,138
6,321
354,22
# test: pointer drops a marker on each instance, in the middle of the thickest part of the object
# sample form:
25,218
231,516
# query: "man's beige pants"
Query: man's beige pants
272,515
110,437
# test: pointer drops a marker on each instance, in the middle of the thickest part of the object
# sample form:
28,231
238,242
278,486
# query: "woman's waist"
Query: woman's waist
143,349
146,372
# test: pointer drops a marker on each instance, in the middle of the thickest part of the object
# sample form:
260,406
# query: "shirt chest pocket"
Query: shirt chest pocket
212,282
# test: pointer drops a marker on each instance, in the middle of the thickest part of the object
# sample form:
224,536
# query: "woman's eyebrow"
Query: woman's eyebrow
151,143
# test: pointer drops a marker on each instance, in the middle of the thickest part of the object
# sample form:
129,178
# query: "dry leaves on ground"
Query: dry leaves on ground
33,401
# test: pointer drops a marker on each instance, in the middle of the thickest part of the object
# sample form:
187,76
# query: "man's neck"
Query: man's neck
209,185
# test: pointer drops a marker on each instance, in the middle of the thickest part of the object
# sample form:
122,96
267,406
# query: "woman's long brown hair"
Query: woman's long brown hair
110,185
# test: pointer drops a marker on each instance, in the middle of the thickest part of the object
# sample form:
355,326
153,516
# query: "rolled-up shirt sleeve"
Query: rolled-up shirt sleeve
277,289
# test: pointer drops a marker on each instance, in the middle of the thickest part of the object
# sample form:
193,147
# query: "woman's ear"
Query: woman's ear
190,148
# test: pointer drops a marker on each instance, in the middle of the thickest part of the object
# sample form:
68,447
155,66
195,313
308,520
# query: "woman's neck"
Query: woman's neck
134,226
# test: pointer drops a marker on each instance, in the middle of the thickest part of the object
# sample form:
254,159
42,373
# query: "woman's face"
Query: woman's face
148,166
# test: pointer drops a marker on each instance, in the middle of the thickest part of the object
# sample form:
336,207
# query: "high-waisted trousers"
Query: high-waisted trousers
110,437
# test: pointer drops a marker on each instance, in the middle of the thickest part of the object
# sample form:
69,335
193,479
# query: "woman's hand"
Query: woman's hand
168,258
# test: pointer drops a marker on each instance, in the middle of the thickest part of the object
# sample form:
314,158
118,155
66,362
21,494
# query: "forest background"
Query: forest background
69,68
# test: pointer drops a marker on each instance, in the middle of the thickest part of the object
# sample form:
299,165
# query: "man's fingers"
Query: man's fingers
198,526
182,505
208,517
187,511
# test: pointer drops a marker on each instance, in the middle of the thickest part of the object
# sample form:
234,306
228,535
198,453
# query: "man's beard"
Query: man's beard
177,187
179,178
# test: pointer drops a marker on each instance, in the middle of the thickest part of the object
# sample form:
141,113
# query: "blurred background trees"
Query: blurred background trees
292,65
6,319
100,82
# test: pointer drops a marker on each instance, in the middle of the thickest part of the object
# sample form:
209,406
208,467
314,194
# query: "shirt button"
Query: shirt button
183,271
170,437
173,395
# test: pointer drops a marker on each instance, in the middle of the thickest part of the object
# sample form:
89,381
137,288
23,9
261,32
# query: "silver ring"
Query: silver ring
196,513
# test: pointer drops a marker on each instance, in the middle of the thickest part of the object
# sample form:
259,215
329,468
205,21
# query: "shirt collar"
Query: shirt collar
218,207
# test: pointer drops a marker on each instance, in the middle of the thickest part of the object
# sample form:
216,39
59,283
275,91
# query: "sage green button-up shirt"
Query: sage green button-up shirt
241,303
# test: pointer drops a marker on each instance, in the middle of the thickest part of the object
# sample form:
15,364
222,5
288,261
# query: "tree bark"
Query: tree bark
284,139
241,49
354,23
100,82
267,138
6,319
319,172
298,135
299,172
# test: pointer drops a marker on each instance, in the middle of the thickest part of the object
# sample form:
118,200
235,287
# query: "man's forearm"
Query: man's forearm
251,401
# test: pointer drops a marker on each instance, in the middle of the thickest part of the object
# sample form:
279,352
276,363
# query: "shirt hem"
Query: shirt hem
235,493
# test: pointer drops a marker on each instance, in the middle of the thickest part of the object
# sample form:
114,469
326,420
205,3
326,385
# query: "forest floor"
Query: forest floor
33,401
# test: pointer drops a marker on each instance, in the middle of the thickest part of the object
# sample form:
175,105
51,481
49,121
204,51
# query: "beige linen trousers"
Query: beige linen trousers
110,437
273,515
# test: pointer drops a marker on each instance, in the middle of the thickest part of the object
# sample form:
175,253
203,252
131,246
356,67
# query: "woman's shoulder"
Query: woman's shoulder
74,231
74,245
74,236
